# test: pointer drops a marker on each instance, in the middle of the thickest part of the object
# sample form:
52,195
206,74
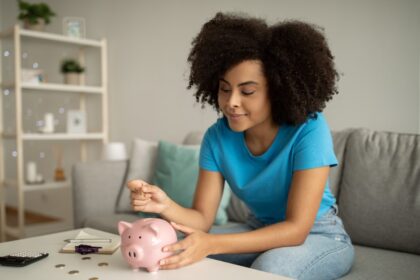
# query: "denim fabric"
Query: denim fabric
327,252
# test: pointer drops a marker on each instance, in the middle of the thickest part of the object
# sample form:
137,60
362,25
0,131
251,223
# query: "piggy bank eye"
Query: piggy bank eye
139,236
129,237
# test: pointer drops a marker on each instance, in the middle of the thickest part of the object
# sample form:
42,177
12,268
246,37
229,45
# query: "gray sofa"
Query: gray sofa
377,185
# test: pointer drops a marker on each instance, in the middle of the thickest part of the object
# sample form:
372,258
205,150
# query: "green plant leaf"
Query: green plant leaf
33,12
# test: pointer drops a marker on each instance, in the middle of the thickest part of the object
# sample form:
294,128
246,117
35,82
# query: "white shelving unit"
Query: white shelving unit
20,88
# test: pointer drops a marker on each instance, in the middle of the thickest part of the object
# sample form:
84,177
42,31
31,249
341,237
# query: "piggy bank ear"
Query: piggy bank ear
154,228
123,226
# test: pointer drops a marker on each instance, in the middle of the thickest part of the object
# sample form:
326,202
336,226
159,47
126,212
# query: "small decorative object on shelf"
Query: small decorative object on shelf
71,69
33,76
76,122
31,172
59,171
74,27
48,123
32,177
59,175
35,16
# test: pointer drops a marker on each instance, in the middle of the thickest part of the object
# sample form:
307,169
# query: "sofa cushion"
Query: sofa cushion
109,223
176,173
95,187
340,141
380,190
141,166
379,264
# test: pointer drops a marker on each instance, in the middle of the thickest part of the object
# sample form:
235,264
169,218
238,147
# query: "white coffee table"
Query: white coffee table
117,268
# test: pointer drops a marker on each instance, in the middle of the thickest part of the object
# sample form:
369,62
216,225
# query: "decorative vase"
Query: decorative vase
39,26
59,174
72,78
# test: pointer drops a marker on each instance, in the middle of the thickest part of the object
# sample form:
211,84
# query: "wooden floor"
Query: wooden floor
30,217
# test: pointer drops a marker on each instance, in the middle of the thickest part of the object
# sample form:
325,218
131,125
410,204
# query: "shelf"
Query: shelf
62,136
60,38
39,187
57,136
62,87
20,38
52,37
57,87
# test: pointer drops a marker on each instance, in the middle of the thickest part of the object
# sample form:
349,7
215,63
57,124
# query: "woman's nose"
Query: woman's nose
234,99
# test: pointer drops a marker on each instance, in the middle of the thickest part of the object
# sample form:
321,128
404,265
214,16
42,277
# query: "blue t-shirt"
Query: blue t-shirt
263,181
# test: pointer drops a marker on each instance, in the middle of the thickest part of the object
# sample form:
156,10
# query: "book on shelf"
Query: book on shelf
106,245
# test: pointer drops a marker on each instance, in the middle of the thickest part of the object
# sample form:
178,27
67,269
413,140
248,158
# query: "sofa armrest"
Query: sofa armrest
96,187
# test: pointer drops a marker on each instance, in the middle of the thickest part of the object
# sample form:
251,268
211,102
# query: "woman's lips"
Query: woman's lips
236,116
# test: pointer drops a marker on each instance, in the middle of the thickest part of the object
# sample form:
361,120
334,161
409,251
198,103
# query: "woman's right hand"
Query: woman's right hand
147,198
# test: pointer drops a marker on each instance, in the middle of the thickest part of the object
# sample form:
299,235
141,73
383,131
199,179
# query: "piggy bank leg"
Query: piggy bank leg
153,268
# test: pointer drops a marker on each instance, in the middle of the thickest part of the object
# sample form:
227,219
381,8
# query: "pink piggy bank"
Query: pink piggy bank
143,240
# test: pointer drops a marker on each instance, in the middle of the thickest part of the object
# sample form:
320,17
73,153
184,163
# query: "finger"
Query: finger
149,189
181,245
134,185
176,261
183,228
140,209
140,196
140,202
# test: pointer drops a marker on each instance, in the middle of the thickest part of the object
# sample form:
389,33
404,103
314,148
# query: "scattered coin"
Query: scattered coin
94,278
60,265
86,258
73,272
103,264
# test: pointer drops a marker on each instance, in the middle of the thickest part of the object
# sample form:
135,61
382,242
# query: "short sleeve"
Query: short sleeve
314,146
207,159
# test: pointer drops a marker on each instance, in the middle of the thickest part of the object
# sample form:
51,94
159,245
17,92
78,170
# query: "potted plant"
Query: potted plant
71,69
35,16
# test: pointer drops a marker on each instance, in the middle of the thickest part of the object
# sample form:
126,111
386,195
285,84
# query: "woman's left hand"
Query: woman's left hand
194,247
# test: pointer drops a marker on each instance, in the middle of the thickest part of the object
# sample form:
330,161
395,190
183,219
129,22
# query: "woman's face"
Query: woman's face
243,97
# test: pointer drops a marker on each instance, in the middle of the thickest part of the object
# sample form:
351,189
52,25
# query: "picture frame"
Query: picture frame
76,122
74,27
32,76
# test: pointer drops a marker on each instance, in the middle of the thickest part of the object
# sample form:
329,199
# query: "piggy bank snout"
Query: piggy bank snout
134,252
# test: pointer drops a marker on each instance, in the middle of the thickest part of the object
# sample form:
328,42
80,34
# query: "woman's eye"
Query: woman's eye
247,92
224,89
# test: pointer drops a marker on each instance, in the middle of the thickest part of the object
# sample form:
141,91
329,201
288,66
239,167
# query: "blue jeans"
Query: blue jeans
327,252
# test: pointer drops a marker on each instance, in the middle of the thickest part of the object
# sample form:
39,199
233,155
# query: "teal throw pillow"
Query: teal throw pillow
176,172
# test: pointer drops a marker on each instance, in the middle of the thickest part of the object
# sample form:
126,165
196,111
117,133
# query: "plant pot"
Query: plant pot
39,26
72,78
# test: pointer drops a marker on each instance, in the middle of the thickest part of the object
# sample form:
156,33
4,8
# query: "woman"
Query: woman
273,147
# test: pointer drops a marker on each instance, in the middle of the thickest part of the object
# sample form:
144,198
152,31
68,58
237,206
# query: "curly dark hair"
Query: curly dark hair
296,59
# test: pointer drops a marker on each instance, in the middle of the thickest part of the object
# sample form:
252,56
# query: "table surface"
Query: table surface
117,268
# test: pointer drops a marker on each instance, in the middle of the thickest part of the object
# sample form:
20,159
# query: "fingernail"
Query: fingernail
162,262
165,249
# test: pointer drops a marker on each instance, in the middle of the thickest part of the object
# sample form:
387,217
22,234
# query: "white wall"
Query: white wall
376,44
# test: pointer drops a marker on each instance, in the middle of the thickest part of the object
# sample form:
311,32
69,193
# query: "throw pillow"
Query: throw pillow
140,166
176,173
